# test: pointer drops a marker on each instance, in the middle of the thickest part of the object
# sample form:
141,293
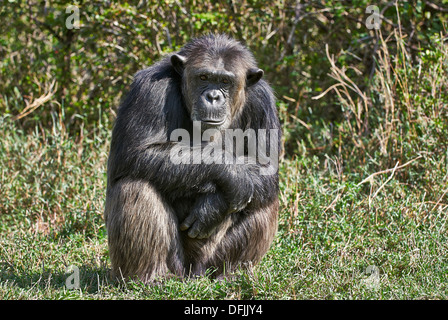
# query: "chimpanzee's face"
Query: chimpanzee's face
211,90
214,89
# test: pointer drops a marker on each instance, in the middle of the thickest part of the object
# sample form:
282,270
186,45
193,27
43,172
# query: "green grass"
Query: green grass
331,229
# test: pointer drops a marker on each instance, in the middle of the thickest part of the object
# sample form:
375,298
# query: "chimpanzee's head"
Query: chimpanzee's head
215,71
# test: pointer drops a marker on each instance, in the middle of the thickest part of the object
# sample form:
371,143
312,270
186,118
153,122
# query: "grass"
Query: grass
331,230
335,225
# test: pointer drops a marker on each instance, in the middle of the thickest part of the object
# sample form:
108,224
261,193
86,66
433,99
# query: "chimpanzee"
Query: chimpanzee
171,217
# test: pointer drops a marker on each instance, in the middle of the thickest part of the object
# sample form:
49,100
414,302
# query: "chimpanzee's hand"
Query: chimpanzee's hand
207,213
238,187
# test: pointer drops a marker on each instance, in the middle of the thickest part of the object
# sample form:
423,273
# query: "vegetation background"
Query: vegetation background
365,121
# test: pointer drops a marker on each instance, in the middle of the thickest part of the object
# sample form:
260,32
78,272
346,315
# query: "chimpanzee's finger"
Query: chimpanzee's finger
189,220
194,230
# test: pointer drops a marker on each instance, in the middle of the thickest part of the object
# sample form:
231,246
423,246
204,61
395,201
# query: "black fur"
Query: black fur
202,196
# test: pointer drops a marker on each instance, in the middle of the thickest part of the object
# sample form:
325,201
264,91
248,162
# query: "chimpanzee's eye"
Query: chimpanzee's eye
203,77
225,81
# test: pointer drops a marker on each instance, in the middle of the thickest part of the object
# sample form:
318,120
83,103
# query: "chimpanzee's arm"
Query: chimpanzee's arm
141,148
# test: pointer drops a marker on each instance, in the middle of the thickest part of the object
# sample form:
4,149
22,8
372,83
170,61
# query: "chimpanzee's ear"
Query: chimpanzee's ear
253,76
178,61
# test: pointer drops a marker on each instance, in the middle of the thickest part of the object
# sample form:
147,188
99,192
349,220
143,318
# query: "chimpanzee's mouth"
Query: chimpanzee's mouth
213,122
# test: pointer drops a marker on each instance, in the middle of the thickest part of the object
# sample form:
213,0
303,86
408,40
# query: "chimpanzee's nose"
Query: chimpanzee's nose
213,95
